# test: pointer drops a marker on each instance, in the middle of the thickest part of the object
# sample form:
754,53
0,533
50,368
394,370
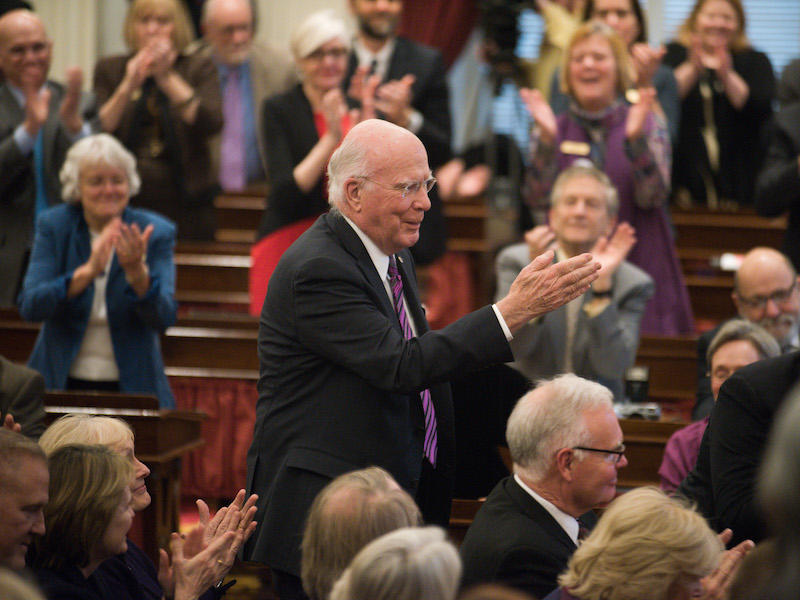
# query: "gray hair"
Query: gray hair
14,446
584,168
317,29
743,330
349,160
550,417
100,148
413,563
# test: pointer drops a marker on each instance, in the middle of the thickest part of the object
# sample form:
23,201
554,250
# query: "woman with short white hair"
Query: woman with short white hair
102,279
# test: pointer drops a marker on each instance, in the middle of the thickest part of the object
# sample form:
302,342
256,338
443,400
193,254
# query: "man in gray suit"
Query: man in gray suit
259,71
39,121
596,335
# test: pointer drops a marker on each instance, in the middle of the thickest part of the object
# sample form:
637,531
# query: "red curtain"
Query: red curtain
443,24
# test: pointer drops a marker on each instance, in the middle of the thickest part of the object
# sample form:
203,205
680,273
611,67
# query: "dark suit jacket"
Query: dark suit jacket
21,392
339,385
429,96
18,186
704,398
515,541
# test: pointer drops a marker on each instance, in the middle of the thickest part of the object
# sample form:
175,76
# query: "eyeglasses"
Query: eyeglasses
613,456
760,302
335,53
409,187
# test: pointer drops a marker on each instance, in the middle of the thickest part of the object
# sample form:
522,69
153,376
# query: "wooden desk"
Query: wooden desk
644,449
162,437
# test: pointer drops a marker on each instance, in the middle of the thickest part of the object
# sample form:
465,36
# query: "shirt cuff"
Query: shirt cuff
503,325
24,140
415,121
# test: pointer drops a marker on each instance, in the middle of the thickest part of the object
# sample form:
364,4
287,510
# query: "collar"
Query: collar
376,255
567,522
365,56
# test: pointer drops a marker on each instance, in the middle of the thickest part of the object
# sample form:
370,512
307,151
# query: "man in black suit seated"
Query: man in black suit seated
350,374
566,445
766,291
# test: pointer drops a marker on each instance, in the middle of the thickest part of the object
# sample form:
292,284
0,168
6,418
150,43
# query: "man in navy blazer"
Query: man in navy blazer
566,445
340,384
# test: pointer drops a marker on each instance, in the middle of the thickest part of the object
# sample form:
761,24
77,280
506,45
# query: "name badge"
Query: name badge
577,148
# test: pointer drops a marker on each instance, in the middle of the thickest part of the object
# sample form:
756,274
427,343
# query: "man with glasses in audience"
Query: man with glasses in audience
351,376
765,292
566,446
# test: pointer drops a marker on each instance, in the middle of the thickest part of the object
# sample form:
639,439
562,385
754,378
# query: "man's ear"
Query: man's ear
352,195
564,461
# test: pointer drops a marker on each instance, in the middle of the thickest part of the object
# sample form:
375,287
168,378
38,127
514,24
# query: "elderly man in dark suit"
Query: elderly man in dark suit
566,446
39,120
350,374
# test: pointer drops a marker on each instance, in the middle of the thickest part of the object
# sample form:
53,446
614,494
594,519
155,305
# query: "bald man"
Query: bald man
39,121
350,374
765,292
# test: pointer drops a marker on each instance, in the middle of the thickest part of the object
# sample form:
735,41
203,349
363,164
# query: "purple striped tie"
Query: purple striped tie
429,446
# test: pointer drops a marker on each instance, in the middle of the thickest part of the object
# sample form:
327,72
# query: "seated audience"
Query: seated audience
597,334
647,546
164,104
24,483
117,436
765,292
39,120
733,444
351,511
412,563
630,144
627,18
737,344
304,126
249,72
102,279
726,89
21,407
566,445
778,183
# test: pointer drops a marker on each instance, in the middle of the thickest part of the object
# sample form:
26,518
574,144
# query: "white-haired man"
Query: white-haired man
566,446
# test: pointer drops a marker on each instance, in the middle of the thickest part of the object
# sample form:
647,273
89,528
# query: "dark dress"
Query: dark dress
173,158
739,133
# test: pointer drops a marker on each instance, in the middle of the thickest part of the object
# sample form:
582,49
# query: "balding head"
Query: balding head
24,49
228,28
378,178
766,292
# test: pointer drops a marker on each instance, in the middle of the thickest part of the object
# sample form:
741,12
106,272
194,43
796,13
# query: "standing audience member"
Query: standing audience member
117,436
39,120
737,344
412,93
566,446
24,484
778,184
249,72
351,511
630,144
596,335
350,374
647,546
304,126
766,291
413,563
102,279
164,104
21,406
726,88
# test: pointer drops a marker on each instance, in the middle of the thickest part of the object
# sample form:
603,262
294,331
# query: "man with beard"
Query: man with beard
412,94
765,292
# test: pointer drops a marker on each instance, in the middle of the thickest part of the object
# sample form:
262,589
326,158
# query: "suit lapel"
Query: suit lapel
10,106
537,512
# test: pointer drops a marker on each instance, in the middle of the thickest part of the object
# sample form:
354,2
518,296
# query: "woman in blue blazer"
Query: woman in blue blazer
102,278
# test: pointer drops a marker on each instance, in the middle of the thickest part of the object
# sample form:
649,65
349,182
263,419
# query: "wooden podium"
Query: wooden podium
162,437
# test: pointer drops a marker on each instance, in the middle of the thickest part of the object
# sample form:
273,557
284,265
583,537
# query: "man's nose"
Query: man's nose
38,524
623,462
771,308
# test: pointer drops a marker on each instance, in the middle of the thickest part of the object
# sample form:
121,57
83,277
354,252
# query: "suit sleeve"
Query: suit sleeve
530,569
13,163
741,423
26,404
778,184
338,317
704,398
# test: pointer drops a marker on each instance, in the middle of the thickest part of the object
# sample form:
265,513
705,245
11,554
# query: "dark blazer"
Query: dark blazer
62,244
18,186
339,385
21,392
429,96
515,541
704,398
